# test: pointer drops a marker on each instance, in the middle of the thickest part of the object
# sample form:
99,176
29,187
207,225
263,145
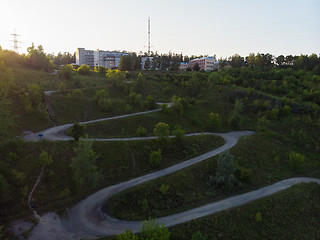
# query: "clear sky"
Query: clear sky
180,26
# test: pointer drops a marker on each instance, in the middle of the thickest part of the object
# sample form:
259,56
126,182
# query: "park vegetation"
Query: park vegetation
277,97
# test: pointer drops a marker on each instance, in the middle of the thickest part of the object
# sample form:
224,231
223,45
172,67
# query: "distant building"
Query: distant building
205,63
184,65
98,58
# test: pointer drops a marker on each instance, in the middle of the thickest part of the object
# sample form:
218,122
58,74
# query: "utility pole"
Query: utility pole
148,36
15,41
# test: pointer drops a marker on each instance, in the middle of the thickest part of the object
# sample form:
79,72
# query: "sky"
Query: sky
190,27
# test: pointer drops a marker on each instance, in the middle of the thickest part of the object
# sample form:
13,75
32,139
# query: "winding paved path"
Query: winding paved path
86,219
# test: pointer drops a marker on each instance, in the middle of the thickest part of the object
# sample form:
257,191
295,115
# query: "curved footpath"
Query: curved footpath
87,220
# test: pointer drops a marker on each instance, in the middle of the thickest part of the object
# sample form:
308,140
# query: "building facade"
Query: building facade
98,58
205,63
184,65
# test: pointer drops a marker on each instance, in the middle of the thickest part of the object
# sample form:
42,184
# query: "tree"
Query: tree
38,60
77,131
235,118
155,158
150,103
85,173
179,132
225,168
100,94
161,130
198,236
196,67
215,121
141,131
251,60
280,60
76,93
84,69
66,71
140,83
152,230
296,160
236,61
177,105
44,159
147,64
5,193
117,78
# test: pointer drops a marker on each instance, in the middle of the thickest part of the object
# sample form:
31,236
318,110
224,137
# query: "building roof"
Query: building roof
203,58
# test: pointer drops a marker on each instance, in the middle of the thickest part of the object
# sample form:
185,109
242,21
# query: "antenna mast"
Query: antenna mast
148,36
15,41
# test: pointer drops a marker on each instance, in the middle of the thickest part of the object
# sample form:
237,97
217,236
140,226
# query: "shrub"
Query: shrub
155,158
127,108
75,93
273,114
152,230
84,69
66,71
127,235
296,160
178,132
62,86
161,130
164,189
141,131
77,131
215,121
150,103
245,175
198,236
258,217
44,159
65,193
100,95
105,104
165,109
177,106
235,118
225,168
286,110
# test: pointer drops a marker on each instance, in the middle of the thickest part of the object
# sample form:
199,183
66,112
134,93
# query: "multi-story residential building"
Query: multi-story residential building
184,65
98,58
205,63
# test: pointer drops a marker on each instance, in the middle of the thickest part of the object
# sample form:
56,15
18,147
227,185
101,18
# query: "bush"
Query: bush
198,236
152,230
105,104
178,132
141,131
66,71
286,110
161,130
177,106
245,175
84,69
164,108
215,121
164,189
62,86
77,131
44,159
75,93
225,168
100,95
155,158
296,160
150,103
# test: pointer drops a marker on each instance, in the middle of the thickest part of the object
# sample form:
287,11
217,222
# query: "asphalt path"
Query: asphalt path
58,133
87,220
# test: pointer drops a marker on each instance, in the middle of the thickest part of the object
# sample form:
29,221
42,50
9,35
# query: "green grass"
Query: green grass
266,154
291,214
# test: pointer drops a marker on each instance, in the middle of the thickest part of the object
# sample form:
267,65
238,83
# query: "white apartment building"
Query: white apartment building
98,58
